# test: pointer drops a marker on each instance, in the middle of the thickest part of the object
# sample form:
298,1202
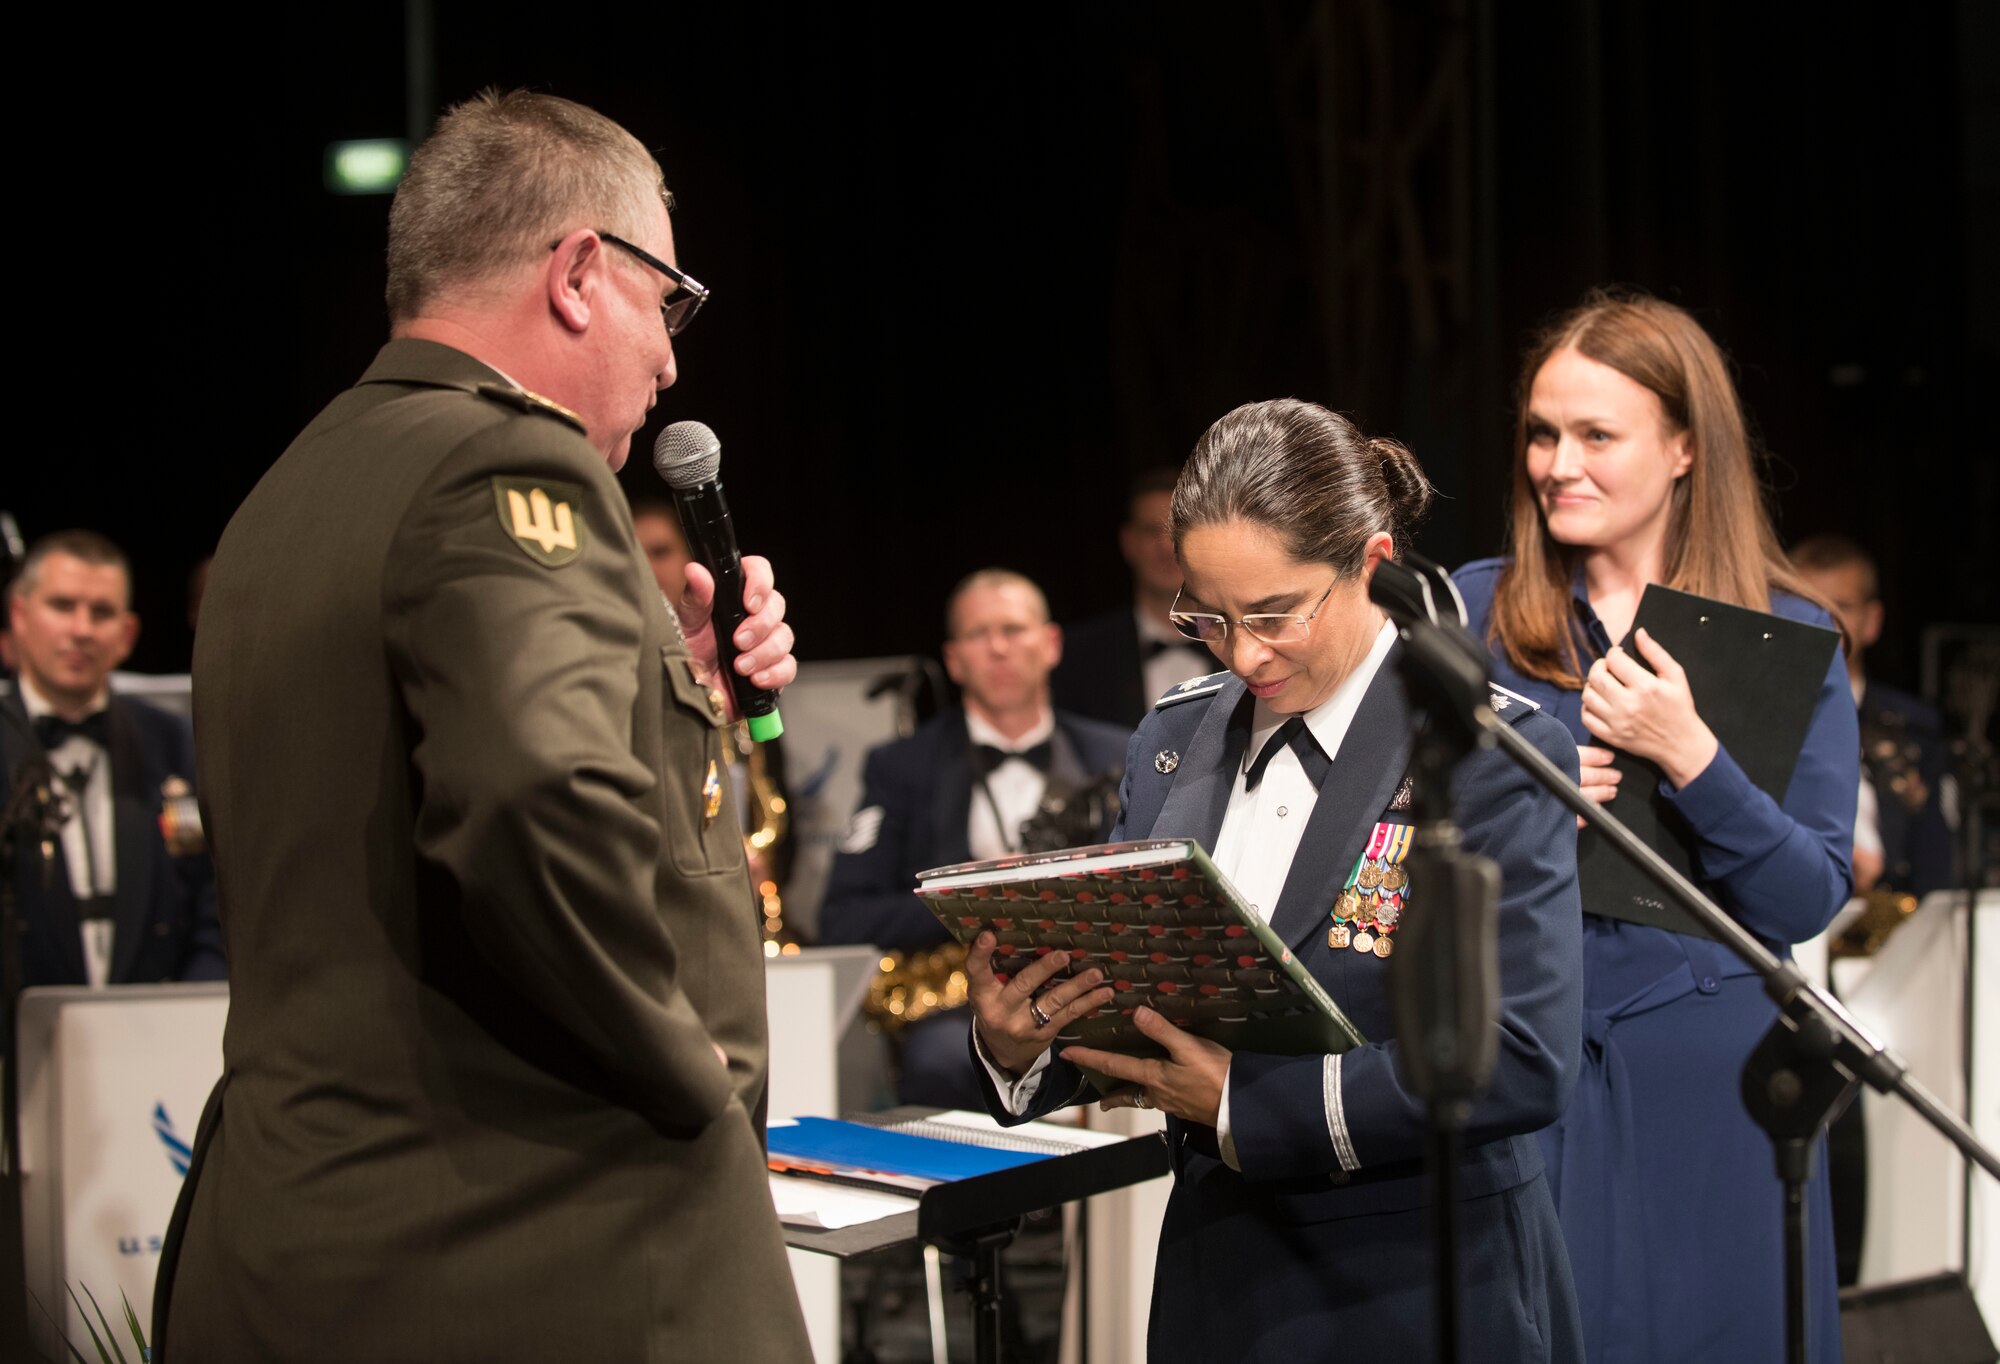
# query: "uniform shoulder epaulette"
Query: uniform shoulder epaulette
1510,703
1193,687
521,400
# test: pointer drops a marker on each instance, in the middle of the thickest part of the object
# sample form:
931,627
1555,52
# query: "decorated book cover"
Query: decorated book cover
1165,927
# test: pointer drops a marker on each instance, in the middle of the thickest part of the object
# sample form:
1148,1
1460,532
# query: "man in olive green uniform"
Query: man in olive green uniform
495,1060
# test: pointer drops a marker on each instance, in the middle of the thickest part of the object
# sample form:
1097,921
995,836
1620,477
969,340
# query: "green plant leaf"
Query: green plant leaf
110,1337
132,1325
103,1355
61,1334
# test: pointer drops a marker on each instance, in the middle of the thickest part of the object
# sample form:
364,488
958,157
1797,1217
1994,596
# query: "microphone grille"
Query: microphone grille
687,454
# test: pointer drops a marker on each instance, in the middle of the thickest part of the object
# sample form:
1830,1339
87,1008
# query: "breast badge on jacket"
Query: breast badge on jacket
180,819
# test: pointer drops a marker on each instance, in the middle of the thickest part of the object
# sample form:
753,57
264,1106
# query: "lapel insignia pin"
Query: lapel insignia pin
1165,761
1404,795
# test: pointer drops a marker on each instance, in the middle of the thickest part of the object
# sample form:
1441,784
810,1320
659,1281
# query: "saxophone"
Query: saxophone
766,824
910,985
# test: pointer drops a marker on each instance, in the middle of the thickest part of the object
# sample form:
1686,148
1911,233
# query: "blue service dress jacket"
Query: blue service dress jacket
1906,758
163,910
1102,672
1319,1247
1668,1193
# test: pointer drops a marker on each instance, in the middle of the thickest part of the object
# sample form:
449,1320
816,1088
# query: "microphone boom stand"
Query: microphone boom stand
1814,1053
1445,984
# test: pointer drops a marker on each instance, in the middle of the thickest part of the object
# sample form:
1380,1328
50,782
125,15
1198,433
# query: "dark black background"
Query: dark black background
973,266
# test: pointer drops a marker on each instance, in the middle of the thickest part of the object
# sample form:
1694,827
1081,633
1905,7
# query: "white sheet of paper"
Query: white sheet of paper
817,1203
1053,1131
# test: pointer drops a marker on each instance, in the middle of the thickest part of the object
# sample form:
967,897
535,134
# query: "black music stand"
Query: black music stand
977,1218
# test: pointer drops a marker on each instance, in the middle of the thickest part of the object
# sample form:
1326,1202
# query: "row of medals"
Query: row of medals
1374,904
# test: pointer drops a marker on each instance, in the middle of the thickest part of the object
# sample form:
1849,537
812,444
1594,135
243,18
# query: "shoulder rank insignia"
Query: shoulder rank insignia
521,400
1503,699
541,517
1193,687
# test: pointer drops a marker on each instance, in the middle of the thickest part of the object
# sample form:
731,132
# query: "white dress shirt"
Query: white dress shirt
1014,784
90,850
1171,666
1260,835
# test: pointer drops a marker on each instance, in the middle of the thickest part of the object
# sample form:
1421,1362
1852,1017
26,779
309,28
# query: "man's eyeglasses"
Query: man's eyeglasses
1210,628
676,309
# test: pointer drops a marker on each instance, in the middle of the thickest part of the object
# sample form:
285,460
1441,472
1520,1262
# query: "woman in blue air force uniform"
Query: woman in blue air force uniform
1298,1228
1632,466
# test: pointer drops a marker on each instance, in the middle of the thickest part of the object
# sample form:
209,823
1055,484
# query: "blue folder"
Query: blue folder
828,1141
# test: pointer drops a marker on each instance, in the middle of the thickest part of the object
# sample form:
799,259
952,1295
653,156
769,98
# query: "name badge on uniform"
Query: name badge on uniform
1370,907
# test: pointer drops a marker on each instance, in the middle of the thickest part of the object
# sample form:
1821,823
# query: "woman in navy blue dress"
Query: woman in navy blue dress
1632,465
1299,1228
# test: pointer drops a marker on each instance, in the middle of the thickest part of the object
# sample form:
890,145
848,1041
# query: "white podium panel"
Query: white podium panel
830,724
1913,996
810,998
1124,1240
112,1085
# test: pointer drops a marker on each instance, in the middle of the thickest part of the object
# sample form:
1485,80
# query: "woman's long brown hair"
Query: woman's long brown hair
1720,542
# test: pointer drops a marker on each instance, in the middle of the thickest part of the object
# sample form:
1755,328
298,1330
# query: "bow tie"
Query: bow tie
1301,741
54,731
1037,757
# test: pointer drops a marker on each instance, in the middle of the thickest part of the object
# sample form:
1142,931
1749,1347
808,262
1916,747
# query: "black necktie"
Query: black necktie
1311,757
54,731
1039,757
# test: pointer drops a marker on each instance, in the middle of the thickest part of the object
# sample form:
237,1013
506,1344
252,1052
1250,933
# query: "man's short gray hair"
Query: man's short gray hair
86,546
990,577
501,177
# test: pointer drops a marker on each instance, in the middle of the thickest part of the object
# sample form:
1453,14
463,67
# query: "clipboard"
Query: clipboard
1755,678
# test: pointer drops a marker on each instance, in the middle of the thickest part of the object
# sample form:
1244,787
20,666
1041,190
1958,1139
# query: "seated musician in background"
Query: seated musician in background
1903,753
962,788
657,526
1114,666
129,894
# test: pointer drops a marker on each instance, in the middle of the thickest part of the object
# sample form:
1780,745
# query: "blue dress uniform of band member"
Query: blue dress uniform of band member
1115,665
1905,759
960,788
495,1060
126,892
1668,1192
1299,1223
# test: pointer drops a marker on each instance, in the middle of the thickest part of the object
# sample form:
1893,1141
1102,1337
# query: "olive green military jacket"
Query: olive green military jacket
486,910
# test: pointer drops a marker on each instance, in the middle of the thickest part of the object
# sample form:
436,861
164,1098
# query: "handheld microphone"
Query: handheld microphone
688,456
